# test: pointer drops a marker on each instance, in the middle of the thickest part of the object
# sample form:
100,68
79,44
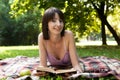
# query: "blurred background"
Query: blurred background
92,21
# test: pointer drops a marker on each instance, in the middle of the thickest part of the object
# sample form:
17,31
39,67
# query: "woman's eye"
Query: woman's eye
61,20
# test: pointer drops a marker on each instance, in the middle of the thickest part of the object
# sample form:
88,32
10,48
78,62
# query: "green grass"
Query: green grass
31,51
13,51
83,51
108,51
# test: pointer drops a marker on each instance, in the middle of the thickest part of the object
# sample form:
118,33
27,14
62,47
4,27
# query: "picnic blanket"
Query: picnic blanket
100,66
11,67
97,66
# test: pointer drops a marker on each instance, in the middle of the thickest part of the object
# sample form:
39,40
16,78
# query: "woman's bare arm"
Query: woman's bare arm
42,51
73,53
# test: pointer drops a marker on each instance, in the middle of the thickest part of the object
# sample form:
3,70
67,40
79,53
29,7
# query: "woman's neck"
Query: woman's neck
55,38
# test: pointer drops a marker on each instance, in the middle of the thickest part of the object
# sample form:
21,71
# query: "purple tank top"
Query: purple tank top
65,62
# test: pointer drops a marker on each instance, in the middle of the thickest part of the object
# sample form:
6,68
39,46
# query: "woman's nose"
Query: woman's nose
58,23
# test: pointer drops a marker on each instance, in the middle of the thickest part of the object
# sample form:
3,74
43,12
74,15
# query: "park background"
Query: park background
95,24
90,20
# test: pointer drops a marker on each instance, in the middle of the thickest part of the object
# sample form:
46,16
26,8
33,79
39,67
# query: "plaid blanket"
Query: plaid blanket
11,67
98,66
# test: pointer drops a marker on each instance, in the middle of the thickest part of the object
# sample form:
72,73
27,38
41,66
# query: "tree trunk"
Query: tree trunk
113,32
104,21
103,34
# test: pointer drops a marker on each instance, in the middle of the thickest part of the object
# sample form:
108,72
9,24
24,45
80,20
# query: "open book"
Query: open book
55,71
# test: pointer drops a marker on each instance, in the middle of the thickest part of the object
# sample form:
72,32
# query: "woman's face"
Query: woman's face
55,26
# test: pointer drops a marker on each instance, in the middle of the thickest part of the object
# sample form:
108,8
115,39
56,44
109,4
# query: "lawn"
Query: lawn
83,51
13,51
31,51
108,51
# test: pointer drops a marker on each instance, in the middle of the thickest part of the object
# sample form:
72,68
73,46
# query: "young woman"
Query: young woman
56,44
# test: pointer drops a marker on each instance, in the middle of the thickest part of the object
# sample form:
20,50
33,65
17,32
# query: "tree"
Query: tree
103,8
81,19
82,16
26,28
83,9
18,30
73,13
6,26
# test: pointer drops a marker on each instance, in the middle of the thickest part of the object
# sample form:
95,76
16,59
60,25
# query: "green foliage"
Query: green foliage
27,28
114,20
27,19
6,23
22,19
77,16
18,30
81,18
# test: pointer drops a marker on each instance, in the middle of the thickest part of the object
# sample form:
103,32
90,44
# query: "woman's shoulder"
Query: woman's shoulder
68,37
40,37
68,33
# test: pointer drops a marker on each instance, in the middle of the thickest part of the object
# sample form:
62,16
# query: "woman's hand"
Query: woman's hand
78,69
